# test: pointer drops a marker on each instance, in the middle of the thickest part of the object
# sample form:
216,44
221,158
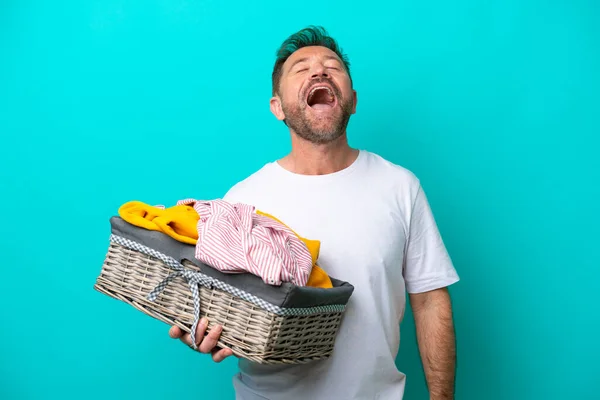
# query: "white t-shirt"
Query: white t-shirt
378,233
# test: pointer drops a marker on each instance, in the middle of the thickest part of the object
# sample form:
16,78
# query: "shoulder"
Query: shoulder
244,188
398,177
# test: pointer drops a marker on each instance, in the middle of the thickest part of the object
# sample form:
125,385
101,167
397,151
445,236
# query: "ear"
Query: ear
355,98
276,108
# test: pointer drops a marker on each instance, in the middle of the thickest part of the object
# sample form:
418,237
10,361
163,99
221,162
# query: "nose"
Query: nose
319,71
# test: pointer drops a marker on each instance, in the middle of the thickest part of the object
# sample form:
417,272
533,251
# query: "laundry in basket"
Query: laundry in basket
160,270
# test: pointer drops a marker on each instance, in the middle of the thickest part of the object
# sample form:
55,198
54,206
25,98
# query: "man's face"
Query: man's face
315,95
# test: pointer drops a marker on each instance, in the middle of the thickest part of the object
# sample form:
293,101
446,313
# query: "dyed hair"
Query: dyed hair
310,36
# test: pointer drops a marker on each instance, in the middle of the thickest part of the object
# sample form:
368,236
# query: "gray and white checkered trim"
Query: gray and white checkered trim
195,278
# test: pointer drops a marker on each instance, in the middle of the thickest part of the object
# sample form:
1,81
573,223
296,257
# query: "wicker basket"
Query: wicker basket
253,328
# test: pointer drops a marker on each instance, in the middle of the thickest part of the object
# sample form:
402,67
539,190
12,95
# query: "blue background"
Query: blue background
494,105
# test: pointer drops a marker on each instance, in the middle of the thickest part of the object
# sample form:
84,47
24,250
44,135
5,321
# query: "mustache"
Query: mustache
336,90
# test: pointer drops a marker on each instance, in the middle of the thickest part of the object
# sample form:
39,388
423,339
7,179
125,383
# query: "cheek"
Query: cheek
347,85
290,94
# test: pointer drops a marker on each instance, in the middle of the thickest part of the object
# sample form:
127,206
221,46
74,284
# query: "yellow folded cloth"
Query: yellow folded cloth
180,223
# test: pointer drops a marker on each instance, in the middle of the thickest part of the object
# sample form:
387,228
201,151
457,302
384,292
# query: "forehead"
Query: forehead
310,53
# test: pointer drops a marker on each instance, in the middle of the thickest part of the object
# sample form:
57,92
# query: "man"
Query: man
376,231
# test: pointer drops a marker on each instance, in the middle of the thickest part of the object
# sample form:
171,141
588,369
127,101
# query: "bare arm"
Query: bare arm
436,338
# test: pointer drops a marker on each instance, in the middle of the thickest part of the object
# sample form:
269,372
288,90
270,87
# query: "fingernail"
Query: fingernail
203,322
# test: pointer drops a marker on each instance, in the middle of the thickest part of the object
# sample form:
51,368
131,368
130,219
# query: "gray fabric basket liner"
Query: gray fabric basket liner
287,295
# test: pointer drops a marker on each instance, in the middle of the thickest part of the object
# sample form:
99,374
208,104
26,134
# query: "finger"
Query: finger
210,341
200,329
175,332
221,354
186,338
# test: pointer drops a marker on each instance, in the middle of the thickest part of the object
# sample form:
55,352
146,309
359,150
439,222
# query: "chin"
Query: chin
322,134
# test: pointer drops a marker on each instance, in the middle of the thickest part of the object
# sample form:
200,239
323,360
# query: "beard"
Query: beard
317,128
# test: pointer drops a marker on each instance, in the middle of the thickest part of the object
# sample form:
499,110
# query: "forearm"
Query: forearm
436,339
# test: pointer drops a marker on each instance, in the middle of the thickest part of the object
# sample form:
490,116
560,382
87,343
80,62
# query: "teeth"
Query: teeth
321,87
313,90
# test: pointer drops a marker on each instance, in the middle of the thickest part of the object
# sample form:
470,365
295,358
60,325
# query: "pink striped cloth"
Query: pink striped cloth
233,238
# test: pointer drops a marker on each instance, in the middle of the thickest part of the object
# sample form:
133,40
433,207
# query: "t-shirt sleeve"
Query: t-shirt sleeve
427,264
232,194
229,195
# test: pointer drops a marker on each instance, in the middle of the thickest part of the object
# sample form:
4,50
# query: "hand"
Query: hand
206,344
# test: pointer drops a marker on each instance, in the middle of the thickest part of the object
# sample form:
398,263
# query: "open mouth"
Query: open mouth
321,98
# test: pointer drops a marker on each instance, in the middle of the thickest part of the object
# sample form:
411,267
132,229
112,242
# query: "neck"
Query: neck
308,158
